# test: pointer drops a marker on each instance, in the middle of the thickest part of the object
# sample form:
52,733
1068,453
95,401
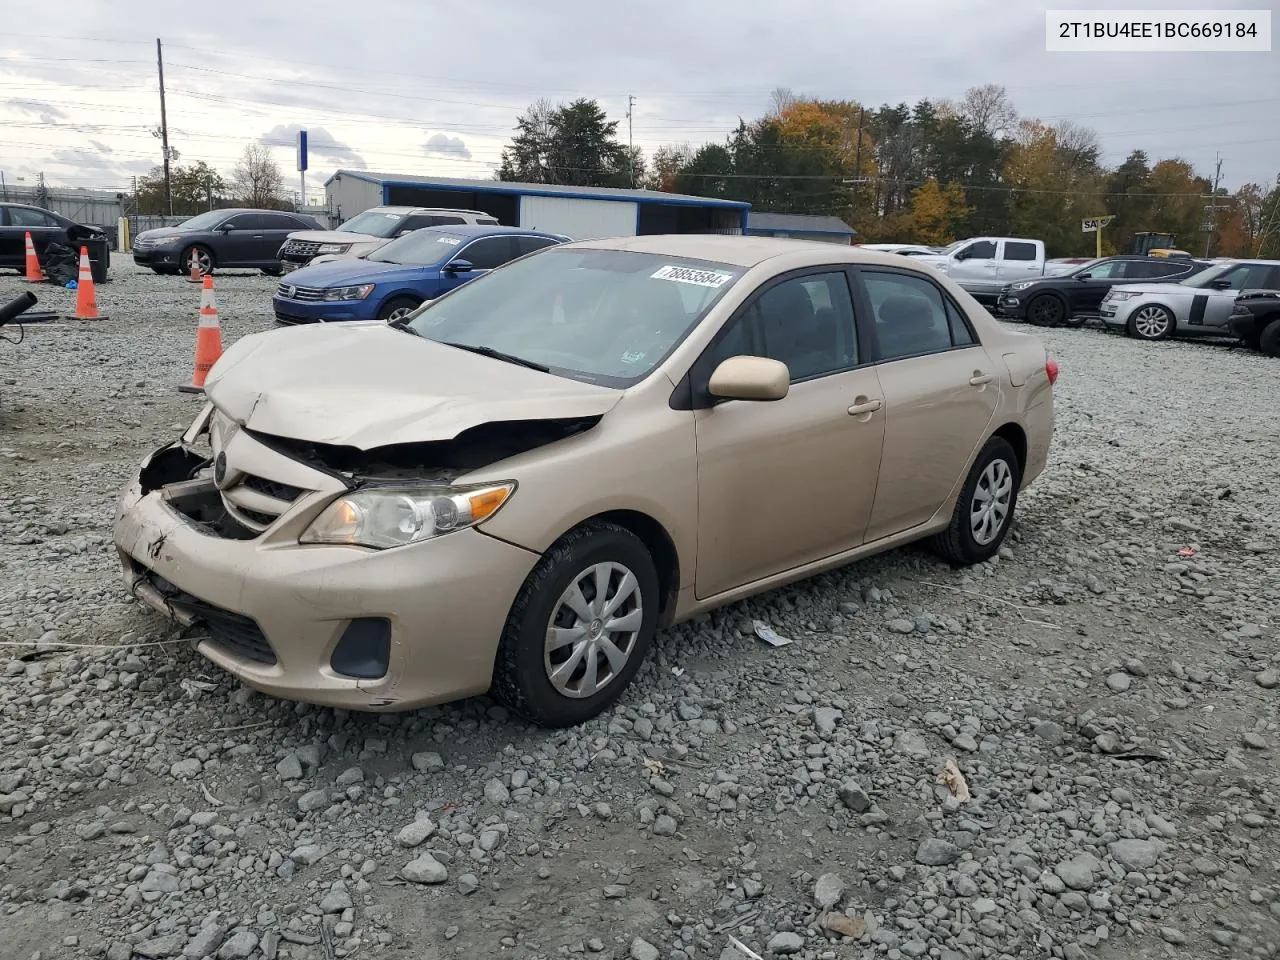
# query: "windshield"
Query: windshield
422,248
373,223
602,316
204,221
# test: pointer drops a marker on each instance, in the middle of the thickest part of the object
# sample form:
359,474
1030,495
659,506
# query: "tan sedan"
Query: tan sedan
516,486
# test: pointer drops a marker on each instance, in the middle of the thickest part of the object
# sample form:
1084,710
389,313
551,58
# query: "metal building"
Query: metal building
582,213
800,226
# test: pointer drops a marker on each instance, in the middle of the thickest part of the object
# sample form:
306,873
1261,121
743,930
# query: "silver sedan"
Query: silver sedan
1197,306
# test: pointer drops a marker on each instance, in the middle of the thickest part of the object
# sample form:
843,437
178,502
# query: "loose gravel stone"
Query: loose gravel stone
425,869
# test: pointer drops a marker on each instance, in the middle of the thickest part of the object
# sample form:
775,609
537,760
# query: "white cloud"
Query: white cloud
443,145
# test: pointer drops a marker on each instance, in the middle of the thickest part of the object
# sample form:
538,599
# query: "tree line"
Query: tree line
929,173
256,182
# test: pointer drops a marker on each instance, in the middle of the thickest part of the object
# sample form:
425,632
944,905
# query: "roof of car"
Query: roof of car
468,231
743,251
396,208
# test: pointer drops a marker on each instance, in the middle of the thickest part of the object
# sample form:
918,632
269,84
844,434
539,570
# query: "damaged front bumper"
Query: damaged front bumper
348,627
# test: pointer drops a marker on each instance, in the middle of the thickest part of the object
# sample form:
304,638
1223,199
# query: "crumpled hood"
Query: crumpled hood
352,270
334,236
367,385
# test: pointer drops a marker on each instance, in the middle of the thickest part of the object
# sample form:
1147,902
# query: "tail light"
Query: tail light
1051,369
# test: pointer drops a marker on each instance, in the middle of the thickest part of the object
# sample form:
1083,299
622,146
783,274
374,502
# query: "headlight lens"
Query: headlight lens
333,248
349,293
1120,295
1021,286
392,516
174,239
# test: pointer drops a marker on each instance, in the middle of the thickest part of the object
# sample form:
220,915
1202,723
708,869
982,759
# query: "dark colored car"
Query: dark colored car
220,238
1255,319
399,276
45,227
1068,297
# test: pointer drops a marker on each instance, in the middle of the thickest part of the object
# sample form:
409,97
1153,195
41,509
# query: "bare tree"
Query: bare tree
989,110
780,99
256,179
1079,145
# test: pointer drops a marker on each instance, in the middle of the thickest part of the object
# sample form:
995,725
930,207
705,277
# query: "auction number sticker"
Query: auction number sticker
702,278
451,241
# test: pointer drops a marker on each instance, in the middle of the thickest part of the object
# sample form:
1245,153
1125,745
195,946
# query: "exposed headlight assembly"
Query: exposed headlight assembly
392,516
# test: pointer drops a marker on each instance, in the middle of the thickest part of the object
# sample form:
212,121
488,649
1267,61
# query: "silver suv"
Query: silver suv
366,232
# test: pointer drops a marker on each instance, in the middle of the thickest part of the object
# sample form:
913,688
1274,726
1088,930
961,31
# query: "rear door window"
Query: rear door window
912,316
1017,250
530,244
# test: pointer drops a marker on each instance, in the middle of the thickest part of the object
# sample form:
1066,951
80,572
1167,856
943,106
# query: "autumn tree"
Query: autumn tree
936,212
256,180
196,187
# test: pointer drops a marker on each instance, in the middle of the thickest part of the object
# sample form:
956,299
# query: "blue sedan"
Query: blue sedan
397,277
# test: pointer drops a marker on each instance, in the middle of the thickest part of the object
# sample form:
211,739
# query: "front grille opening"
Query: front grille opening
272,489
233,632
200,502
265,519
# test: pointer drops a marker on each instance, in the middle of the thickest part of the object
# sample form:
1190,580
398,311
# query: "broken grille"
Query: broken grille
301,248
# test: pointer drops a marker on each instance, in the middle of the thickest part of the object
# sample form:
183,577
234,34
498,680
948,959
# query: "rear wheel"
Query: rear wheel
1152,322
984,509
579,628
1269,342
397,308
1046,310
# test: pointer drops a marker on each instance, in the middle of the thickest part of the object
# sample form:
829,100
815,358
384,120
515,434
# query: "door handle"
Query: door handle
865,406
979,379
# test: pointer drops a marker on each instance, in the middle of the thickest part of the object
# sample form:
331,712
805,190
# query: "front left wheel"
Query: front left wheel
579,628
1152,322
398,308
984,510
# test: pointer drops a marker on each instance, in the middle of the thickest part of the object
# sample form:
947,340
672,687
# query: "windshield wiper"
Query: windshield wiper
497,355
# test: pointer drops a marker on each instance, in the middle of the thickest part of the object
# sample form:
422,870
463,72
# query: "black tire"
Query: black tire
958,544
520,676
205,255
273,271
1161,326
1269,342
1046,310
397,305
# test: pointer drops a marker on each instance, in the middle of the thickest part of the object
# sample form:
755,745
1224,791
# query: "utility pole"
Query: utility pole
164,131
857,161
1211,218
631,150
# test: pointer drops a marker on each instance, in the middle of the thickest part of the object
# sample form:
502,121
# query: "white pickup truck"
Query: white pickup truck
984,265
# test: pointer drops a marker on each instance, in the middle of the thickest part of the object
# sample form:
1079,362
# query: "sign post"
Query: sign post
302,167
1094,225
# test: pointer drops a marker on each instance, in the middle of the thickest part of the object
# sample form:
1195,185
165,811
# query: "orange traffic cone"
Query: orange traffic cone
86,296
195,276
34,273
208,338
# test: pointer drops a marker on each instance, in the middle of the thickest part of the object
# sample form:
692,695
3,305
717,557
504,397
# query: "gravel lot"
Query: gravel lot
1107,688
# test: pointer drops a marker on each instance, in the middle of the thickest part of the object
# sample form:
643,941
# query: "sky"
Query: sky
429,88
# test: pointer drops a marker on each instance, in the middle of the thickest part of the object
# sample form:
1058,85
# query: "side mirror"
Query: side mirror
1084,276
404,233
750,378
962,255
1221,285
458,266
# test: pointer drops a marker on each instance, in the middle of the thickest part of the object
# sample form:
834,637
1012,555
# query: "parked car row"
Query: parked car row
1155,298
